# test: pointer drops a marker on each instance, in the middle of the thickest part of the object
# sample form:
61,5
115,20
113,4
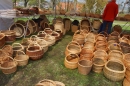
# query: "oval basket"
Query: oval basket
46,82
34,51
10,36
71,61
9,67
84,66
8,49
114,70
21,58
2,39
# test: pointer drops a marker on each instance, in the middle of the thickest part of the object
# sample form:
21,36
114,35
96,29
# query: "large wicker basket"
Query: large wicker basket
9,67
21,58
34,51
71,61
114,70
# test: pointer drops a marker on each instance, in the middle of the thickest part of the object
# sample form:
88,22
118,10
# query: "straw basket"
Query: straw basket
73,47
96,23
48,31
21,58
86,51
8,49
43,44
9,36
2,40
89,45
101,45
100,53
98,64
84,66
9,67
41,34
3,56
71,61
90,37
60,32
46,82
25,42
126,60
67,24
114,70
125,47
50,40
124,39
32,26
17,47
56,35
114,46
110,37
79,37
85,24
59,83
34,51
126,82
115,55
100,37
60,25
18,28
33,38
114,33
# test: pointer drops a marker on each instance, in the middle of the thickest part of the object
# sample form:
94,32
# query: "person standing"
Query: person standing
109,14
5,23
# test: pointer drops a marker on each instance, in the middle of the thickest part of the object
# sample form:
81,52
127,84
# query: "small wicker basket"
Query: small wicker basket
8,50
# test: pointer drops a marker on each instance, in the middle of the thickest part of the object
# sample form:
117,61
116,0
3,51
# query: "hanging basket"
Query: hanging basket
114,70
84,66
34,51
2,40
71,61
21,58
9,67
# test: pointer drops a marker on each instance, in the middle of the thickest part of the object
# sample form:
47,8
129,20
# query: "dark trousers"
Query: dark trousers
104,25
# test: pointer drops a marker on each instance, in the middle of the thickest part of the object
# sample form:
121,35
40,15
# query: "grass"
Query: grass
51,66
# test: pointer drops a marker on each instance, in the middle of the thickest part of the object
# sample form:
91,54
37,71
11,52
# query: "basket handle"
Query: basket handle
59,30
41,32
34,44
34,38
16,44
20,53
48,29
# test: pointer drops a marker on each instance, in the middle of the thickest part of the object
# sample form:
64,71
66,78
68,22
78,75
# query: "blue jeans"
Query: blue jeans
103,26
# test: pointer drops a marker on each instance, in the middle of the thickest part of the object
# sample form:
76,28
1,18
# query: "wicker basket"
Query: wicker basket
60,32
59,25
9,67
50,39
21,58
89,45
116,55
56,35
79,37
101,53
32,26
90,37
33,38
96,23
71,61
85,24
101,45
100,37
114,46
48,31
84,66
9,36
43,43
126,60
125,47
110,37
44,25
67,24
124,39
98,64
46,82
3,56
114,70
2,40
114,33
17,47
87,52
34,51
126,82
25,42
41,34
117,28
59,83
8,49
73,47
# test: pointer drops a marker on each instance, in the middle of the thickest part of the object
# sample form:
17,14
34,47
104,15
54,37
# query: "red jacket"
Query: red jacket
110,11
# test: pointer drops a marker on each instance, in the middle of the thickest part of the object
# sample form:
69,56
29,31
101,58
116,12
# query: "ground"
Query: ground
51,66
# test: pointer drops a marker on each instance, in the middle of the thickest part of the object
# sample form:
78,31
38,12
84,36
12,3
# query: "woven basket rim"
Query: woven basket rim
69,61
87,61
118,61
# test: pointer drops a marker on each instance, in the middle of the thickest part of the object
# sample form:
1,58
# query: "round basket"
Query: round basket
114,46
114,33
79,37
41,34
125,47
98,64
56,35
50,39
100,37
96,23
100,53
89,45
90,37
124,39
2,40
117,28
114,70
126,60
25,42
87,52
18,28
59,25
73,47
17,47
8,49
67,24
58,83
71,61
34,51
21,58
101,45
116,38
116,55
9,67
9,36
43,44
44,25
31,26
84,66
3,56
85,24
34,38
60,32
46,82
48,31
